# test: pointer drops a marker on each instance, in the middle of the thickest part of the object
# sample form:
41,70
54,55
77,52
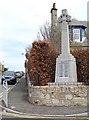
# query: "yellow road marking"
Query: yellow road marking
9,89
39,116
1,94
24,116
21,115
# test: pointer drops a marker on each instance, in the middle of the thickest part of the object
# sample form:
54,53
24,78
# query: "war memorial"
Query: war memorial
65,91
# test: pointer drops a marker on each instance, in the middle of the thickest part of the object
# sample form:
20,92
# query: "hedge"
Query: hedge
42,63
82,61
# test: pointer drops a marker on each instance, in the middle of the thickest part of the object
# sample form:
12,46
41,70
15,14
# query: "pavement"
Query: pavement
18,101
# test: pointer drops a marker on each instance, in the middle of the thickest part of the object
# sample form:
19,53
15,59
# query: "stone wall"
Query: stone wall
58,95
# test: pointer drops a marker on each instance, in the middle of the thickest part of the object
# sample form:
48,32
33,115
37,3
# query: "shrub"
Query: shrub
82,60
42,63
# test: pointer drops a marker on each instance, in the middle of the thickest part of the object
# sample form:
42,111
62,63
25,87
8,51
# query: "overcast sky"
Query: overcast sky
20,21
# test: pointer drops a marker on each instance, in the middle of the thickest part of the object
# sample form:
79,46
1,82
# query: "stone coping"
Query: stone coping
57,84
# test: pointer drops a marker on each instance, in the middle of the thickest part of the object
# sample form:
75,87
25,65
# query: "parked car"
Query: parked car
10,77
22,73
18,74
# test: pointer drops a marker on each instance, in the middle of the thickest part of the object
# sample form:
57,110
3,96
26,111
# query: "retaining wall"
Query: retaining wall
58,95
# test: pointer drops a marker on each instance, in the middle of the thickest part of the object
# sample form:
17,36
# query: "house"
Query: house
77,30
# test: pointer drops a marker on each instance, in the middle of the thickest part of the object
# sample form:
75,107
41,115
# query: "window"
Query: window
76,35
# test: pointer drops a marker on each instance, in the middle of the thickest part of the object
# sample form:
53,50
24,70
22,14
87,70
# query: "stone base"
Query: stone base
66,69
58,95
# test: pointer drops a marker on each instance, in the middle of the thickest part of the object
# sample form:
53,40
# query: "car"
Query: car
18,74
22,73
10,77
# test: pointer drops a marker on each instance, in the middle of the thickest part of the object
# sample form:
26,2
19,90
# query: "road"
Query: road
18,102
1,96
10,87
45,119
1,91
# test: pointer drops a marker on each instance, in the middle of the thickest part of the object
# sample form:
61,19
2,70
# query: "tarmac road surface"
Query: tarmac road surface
46,118
18,101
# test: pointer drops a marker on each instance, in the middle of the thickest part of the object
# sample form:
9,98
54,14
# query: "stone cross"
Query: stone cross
65,19
65,63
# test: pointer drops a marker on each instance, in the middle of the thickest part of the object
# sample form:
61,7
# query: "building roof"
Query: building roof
76,23
78,26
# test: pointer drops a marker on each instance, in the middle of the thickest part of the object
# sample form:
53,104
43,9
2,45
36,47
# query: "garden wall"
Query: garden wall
58,95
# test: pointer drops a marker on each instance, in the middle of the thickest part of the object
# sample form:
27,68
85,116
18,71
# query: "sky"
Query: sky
20,21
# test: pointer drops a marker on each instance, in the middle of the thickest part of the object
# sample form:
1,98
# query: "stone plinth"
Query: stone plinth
66,69
58,95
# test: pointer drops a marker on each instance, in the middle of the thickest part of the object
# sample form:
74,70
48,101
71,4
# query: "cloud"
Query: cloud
20,21
76,8
11,47
15,63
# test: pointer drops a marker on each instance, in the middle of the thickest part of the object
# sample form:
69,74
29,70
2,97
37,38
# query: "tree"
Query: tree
5,69
47,32
44,32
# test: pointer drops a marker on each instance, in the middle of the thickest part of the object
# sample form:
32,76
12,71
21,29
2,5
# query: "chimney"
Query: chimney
54,7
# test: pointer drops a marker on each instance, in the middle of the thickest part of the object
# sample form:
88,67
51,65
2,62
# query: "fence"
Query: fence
5,93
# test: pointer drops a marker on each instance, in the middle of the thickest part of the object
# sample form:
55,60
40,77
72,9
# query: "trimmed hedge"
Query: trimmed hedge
42,63
82,60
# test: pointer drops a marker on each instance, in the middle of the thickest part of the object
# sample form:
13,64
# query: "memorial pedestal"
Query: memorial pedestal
66,69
